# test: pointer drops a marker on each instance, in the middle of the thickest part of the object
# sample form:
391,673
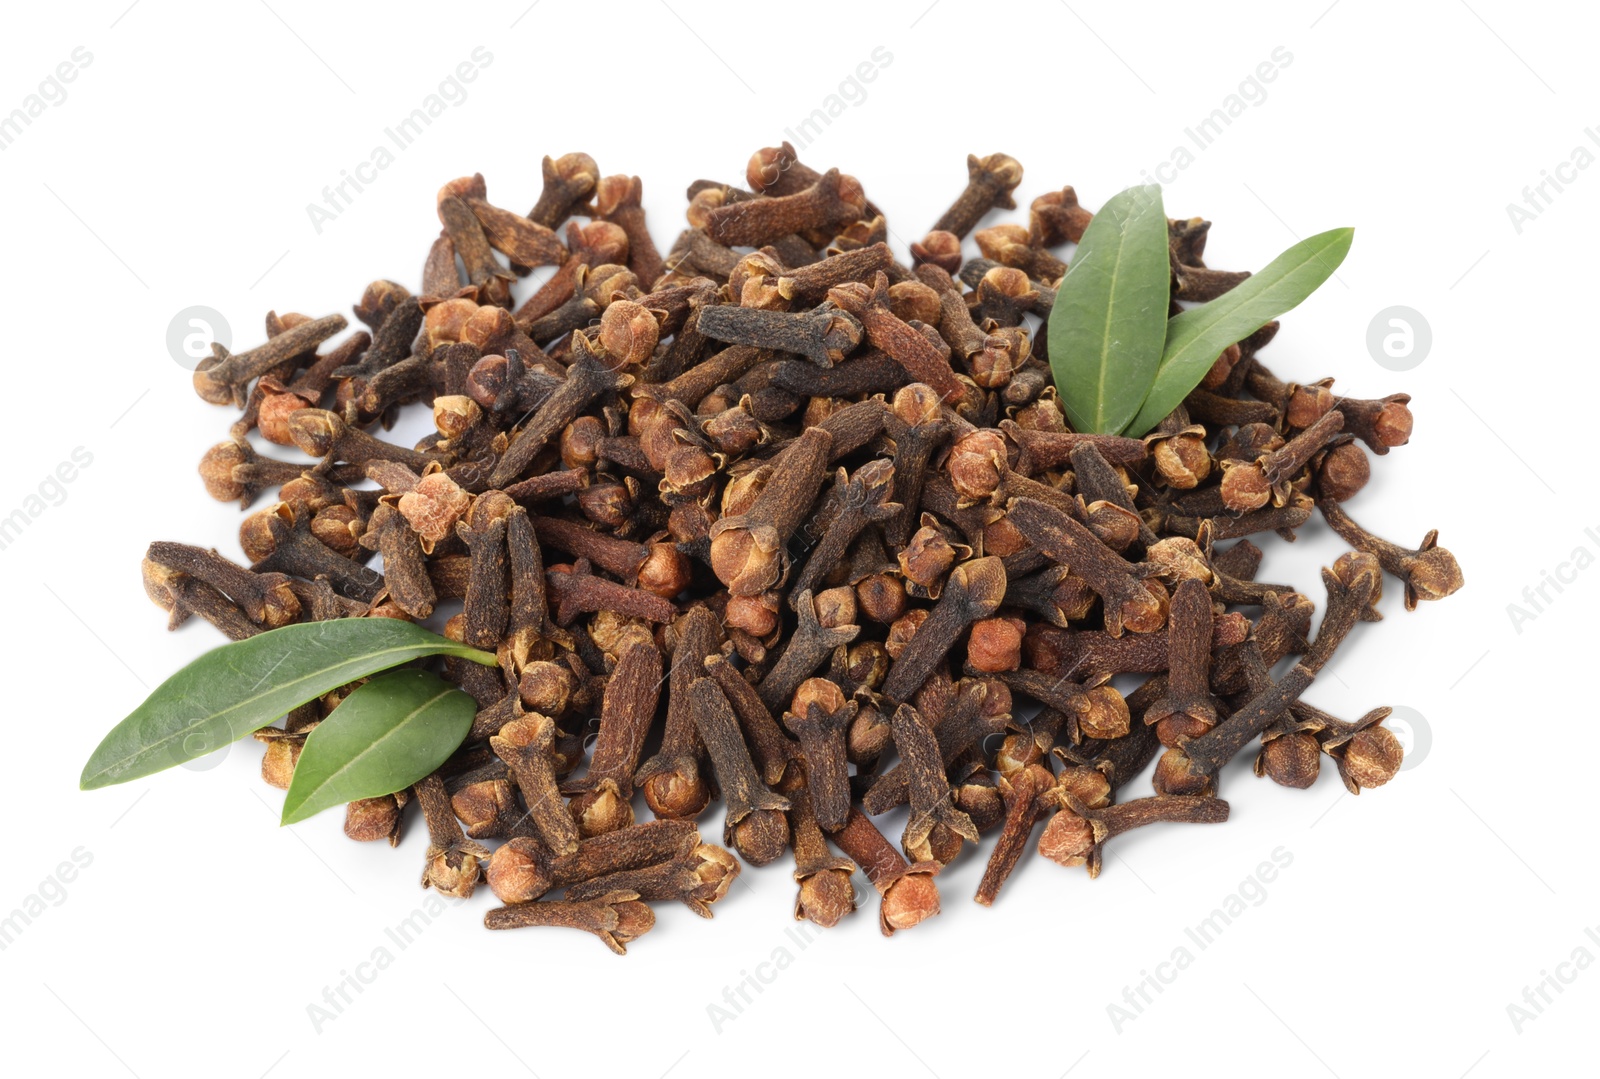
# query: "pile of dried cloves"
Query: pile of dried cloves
778,519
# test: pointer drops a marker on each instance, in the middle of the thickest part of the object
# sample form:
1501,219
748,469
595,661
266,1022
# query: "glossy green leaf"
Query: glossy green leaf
1197,337
1110,314
242,687
389,733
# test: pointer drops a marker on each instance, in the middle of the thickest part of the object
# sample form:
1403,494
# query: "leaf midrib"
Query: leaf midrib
1201,326
374,745
1123,232
149,747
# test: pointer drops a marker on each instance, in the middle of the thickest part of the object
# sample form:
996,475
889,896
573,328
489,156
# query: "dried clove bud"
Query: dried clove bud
755,824
908,894
617,918
1078,834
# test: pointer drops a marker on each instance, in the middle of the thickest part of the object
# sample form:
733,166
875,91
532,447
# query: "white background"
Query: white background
177,172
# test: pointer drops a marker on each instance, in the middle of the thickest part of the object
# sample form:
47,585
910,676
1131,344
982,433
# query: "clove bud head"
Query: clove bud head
867,662
665,571
1084,784
826,896
984,582
909,900
578,170
995,645
633,920
1176,728
273,416
767,166
1176,774
1393,423
1182,460
547,687
762,836
277,764
1357,570
715,869
1103,713
914,300
939,247
519,871
444,321
903,630
678,793
827,696
452,873
979,798
1344,471
1177,559
1372,757
747,560
1291,760
217,470
1114,525
370,819
1432,574
601,810
881,597
687,472
916,404
454,415
926,558
315,431
1068,839
433,507
836,607
756,615
977,465
629,332
480,806
1245,487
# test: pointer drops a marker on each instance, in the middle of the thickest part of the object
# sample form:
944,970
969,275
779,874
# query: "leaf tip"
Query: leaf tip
1342,237
292,812
89,779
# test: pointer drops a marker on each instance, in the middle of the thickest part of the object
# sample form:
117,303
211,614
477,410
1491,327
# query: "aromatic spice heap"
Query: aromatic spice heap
800,527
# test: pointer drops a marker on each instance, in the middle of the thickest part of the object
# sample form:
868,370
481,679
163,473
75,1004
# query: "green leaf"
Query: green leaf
1110,315
242,687
385,736
1197,337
